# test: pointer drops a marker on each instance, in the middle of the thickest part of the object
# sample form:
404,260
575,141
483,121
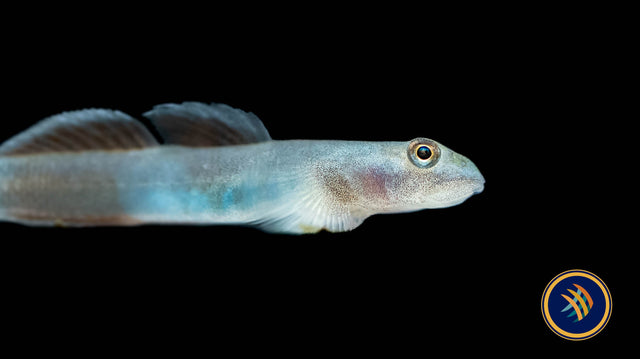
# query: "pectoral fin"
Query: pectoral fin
308,211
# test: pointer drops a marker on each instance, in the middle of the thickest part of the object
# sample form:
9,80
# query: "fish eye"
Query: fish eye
423,152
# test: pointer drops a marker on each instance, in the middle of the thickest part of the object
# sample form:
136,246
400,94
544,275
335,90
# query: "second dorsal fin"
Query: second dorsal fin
83,130
196,124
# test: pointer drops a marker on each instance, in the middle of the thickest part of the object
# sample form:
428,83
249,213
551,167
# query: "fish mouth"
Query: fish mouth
477,182
470,187
479,188
474,191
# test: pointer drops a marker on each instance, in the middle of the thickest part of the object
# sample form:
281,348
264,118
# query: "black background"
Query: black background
535,97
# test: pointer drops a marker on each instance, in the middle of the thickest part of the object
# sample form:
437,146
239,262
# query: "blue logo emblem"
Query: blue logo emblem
576,305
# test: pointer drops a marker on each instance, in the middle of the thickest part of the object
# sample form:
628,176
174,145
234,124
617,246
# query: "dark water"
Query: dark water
540,115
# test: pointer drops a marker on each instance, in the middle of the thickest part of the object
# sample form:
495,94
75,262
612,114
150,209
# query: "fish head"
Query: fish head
354,180
434,176
415,175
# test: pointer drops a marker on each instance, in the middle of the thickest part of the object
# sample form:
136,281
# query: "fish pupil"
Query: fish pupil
424,153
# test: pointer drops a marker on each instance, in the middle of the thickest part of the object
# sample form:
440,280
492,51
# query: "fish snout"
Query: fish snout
467,175
473,175
478,181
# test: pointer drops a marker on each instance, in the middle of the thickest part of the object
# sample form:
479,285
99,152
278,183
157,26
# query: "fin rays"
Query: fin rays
191,124
196,124
308,213
83,130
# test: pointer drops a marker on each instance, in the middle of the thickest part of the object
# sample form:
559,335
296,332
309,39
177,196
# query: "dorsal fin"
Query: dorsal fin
196,124
83,130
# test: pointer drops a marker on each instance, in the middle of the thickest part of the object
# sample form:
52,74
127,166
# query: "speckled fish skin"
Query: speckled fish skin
289,186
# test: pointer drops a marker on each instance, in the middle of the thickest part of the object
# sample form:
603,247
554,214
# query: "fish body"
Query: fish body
219,165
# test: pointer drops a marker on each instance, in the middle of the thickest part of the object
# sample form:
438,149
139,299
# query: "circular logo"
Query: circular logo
576,304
